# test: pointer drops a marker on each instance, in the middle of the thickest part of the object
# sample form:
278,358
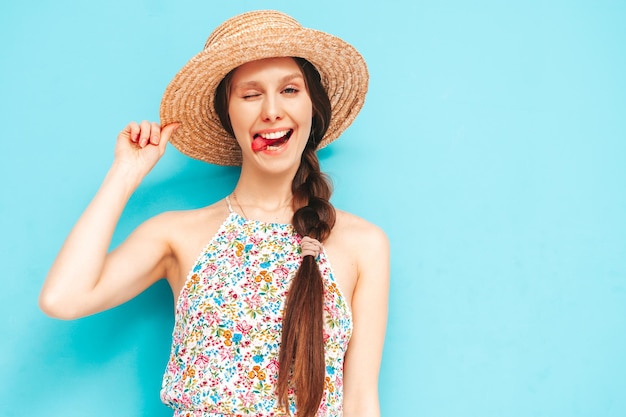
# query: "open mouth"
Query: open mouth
270,141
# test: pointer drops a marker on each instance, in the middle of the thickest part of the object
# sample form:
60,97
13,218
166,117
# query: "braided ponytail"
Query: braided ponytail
302,344
301,357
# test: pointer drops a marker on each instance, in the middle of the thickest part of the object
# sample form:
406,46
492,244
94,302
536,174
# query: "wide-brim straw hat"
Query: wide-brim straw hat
189,98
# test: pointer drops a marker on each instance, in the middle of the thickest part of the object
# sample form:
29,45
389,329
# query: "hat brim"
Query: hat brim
189,98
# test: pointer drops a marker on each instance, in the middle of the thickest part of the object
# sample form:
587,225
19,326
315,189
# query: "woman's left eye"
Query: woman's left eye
290,90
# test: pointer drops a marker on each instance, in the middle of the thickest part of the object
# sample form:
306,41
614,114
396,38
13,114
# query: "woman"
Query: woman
264,326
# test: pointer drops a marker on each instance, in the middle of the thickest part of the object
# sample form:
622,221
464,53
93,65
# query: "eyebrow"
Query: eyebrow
283,80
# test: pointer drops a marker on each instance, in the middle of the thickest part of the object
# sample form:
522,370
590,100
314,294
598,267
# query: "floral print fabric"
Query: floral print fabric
224,356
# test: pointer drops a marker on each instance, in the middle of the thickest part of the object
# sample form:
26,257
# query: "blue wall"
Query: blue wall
492,149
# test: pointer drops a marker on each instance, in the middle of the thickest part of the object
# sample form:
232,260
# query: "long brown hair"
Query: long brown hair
301,356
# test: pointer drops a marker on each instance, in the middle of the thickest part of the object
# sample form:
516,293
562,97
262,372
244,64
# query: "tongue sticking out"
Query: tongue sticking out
260,144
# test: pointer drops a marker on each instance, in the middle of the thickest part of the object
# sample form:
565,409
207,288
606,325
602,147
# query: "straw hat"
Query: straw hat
189,98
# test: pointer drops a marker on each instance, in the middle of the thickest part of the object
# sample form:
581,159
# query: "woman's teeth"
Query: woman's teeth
274,135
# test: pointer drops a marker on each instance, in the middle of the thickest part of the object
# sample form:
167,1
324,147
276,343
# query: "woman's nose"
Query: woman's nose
272,109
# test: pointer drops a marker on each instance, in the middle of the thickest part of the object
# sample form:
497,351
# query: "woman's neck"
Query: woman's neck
264,197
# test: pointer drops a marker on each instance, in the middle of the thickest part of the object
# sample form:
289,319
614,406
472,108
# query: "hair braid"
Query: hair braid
302,345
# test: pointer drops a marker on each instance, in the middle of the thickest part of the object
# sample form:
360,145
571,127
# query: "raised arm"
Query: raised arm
369,313
85,279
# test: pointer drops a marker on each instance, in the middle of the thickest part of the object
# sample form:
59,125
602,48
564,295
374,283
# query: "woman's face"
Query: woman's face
270,112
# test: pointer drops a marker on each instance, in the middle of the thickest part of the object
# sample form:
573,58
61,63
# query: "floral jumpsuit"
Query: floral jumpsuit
227,331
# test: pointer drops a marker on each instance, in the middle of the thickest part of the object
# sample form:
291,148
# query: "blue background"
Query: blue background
492,149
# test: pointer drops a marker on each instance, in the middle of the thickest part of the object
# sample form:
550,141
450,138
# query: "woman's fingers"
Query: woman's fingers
155,133
139,147
145,133
131,132
168,130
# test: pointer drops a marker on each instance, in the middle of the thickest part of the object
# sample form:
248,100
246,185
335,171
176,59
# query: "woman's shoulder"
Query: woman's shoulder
186,232
182,221
358,225
354,229
360,252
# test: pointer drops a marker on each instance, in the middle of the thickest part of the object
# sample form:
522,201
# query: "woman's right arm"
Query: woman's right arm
84,278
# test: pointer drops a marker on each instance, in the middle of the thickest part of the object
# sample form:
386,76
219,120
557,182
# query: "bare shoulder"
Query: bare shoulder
354,229
186,233
172,221
359,252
